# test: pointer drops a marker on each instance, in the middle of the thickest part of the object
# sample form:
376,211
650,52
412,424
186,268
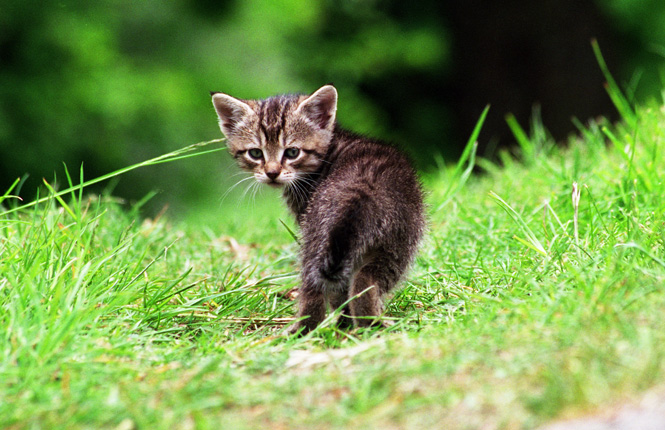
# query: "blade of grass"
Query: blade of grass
58,197
291,232
532,241
613,90
179,154
7,194
643,250
521,136
461,173
576,194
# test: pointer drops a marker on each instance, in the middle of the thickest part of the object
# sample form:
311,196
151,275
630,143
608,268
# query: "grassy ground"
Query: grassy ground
538,294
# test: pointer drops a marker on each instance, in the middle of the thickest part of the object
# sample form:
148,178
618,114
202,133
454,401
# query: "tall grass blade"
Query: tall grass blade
186,152
575,196
528,150
461,173
58,197
291,232
616,95
7,194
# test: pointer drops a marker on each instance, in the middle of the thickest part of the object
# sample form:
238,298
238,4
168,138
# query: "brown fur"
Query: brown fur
358,202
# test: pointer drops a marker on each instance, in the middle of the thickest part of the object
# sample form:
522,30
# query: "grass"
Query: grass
538,294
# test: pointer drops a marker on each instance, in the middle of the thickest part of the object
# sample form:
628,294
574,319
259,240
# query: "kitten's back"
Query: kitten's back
361,230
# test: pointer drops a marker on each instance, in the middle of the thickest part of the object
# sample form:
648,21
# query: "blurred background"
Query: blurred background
113,82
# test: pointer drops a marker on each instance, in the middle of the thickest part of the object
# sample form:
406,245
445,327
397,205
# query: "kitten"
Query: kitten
358,202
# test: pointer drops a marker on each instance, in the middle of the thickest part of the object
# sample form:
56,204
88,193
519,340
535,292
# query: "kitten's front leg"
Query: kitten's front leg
311,307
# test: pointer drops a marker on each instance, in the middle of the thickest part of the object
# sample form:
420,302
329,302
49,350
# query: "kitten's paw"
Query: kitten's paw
385,323
344,322
297,330
300,329
373,323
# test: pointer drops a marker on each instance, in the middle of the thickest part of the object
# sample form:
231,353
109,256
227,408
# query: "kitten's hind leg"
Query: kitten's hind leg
311,307
336,301
366,293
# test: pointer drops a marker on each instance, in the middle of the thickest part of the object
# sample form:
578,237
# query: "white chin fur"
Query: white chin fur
283,179
265,180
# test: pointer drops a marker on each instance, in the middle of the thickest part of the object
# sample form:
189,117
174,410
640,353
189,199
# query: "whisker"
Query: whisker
256,188
321,160
241,172
250,192
247,190
240,182
305,182
231,188
299,192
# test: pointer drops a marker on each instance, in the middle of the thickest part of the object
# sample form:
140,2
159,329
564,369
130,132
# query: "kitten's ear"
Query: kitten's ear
320,107
230,111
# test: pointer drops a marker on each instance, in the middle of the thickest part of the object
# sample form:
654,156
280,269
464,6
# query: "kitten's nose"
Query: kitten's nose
272,175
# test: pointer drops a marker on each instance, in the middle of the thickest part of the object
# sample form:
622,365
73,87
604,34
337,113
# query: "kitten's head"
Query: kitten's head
279,138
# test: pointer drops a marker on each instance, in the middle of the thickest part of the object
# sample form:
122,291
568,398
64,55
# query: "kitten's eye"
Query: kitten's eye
291,153
255,153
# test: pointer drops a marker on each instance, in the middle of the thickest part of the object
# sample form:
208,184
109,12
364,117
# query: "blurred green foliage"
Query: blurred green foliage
113,82
642,26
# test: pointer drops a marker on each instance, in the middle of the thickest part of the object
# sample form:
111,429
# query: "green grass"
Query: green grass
538,293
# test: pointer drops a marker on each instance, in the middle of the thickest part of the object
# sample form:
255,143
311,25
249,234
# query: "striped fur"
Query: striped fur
358,202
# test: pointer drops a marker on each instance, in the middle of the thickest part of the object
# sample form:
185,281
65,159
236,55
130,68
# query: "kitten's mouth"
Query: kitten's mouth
273,182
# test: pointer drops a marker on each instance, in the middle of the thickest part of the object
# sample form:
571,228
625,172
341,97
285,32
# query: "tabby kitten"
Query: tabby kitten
358,202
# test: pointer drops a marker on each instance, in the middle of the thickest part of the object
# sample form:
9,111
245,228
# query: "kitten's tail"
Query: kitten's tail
346,241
